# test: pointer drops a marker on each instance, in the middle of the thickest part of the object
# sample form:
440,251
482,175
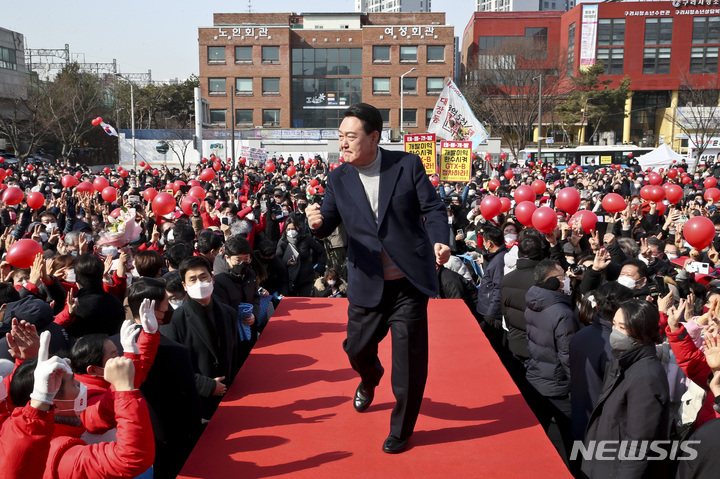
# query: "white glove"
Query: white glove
128,336
48,372
147,316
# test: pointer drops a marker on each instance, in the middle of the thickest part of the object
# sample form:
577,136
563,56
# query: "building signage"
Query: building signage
243,31
666,13
410,31
588,36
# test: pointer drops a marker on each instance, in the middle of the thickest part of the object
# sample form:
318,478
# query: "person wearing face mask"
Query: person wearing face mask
330,285
635,402
550,325
209,329
70,456
253,225
299,253
240,283
488,302
634,275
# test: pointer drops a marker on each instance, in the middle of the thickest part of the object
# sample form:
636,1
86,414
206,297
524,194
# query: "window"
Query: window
435,85
408,53
571,37
436,53
570,64
217,117
612,58
243,118
8,59
216,54
656,61
381,54
409,85
271,86
385,114
706,30
381,86
428,117
611,31
658,31
216,86
243,86
326,61
243,54
409,118
271,117
704,60
271,54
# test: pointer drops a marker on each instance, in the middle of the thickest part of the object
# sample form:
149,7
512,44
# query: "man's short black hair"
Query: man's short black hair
194,262
544,269
8,293
494,234
173,283
369,116
88,350
89,270
178,252
640,265
236,245
208,241
142,289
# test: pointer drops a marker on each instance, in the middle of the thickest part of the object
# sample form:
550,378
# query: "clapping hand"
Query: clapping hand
23,340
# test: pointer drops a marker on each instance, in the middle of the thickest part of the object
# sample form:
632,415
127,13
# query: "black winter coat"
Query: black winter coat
233,290
551,324
97,312
513,288
633,406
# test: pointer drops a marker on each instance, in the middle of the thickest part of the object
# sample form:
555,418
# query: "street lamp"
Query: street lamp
402,97
132,118
539,139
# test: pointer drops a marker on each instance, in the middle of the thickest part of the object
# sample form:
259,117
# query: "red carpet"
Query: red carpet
289,412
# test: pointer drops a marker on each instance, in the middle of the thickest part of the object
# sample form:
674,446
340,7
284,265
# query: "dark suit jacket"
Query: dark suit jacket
411,219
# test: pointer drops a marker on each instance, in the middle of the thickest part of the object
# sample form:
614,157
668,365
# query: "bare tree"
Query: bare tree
178,141
502,87
697,114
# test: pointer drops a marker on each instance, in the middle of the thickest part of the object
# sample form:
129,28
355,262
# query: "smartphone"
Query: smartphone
460,232
682,219
601,218
698,267
225,221
134,199
171,191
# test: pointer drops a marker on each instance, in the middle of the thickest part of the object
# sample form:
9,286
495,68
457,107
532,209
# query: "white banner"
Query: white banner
588,36
454,120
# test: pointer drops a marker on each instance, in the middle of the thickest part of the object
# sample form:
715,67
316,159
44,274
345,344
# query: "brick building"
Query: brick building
666,48
292,70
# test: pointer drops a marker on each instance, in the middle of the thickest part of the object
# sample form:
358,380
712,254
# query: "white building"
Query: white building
392,6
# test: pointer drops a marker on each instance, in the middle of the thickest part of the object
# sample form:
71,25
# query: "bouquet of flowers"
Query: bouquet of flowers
121,228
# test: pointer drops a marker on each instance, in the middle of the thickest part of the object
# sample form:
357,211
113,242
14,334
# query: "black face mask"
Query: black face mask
240,269
301,207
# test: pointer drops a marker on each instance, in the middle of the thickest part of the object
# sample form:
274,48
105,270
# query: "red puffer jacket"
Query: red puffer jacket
25,442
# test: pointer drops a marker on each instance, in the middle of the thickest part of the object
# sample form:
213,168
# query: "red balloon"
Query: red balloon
613,203
163,204
686,180
506,204
198,192
30,167
490,207
311,191
149,194
13,196
321,190
269,166
587,219
314,182
115,213
524,193
524,212
294,182
544,219
186,204
68,181
579,169
23,252
630,155
433,180
509,174
291,171
118,183
655,179
699,231
652,193
217,166
710,182
243,161
681,170
78,175
661,208
503,155
96,121
712,194
35,200
673,193
672,173
203,160
531,164
148,167
308,165
85,187
538,186
142,164
567,200
207,174
2,160
155,172
493,184
194,183
106,170
109,194
100,183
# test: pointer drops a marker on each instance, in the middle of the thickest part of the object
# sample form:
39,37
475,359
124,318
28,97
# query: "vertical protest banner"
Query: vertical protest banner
455,160
453,119
424,147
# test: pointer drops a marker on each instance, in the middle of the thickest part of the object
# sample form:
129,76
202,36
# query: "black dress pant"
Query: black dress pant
402,311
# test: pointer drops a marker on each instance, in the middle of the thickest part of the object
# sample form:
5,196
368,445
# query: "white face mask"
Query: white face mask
331,282
250,217
79,403
200,290
471,192
43,237
448,190
570,260
671,257
292,234
510,237
566,286
637,186
50,227
627,281
176,304
70,276
283,188
109,251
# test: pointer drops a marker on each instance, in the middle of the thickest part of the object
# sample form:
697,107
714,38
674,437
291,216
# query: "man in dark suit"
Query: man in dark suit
397,229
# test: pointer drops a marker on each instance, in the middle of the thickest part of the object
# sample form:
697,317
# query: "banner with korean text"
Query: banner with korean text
452,118
455,160
588,35
424,147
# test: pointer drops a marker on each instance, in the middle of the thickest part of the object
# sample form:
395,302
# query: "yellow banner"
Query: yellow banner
606,160
455,160
424,147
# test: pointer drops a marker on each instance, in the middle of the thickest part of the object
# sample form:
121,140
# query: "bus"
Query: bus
585,156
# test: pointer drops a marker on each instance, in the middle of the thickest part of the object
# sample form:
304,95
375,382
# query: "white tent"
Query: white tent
660,157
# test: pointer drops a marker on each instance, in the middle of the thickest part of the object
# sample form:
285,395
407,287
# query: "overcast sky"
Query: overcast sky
157,35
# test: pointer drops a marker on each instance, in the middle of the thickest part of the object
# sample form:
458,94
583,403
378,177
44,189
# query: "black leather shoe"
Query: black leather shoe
363,397
393,445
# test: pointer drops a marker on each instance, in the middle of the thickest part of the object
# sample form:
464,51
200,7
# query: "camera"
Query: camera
577,269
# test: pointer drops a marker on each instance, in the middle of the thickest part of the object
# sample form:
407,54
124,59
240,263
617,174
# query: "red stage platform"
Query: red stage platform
289,412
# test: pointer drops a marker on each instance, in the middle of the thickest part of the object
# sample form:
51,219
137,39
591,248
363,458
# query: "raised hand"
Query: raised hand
23,340
147,316
120,372
48,372
602,260
712,351
128,336
674,314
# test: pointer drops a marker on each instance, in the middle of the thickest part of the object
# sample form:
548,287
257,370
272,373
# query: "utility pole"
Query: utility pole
539,146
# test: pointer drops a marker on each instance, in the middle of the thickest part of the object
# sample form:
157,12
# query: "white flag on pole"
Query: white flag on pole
453,119
108,129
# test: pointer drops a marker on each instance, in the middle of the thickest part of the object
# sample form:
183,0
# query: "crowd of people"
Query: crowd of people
128,316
